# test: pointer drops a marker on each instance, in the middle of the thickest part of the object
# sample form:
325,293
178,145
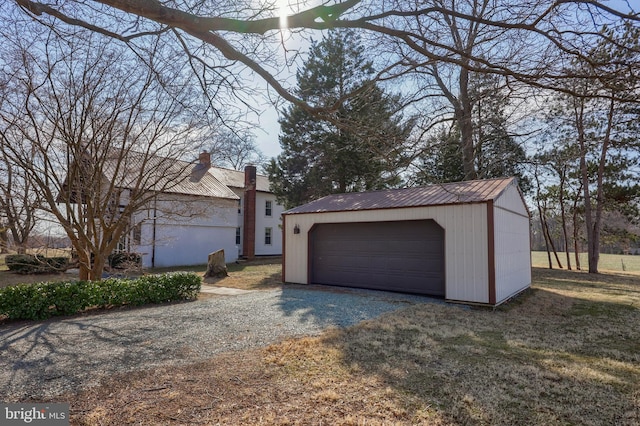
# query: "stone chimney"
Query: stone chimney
205,158
249,219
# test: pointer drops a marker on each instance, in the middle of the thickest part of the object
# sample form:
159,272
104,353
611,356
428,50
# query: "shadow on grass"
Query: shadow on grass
554,359
605,287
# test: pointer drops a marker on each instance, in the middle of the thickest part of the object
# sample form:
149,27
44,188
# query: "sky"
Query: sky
267,132
268,127
267,123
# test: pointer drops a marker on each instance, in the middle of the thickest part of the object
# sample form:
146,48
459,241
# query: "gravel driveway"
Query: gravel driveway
44,359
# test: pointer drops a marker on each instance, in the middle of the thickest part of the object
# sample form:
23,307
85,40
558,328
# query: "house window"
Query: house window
267,236
137,233
122,243
267,208
239,206
238,236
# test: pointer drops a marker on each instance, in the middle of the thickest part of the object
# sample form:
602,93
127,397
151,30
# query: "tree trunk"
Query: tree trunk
543,223
553,246
4,241
592,251
463,113
597,222
563,216
97,267
576,230
462,110
544,235
84,262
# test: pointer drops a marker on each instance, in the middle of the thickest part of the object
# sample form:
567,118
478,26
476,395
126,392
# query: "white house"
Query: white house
208,209
258,231
464,241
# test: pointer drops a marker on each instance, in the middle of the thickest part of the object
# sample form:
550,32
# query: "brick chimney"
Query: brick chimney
249,220
205,158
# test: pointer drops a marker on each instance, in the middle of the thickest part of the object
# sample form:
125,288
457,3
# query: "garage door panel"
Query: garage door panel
398,256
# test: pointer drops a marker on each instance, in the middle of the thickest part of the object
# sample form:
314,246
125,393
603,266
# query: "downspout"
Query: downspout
153,235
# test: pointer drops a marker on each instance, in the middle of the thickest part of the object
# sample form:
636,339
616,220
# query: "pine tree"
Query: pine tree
358,146
496,153
442,160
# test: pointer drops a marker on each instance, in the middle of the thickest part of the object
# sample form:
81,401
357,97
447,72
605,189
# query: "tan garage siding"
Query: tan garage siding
512,253
486,234
511,200
465,243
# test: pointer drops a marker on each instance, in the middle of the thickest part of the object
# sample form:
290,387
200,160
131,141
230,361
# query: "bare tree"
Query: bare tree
94,135
598,126
234,149
19,205
528,43
524,41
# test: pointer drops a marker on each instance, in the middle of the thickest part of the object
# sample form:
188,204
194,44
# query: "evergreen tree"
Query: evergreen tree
356,146
495,151
442,160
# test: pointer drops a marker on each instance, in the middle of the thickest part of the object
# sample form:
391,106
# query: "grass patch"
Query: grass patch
9,278
261,273
567,353
251,275
608,262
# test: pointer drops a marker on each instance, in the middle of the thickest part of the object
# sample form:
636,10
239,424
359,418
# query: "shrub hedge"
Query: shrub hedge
44,300
35,264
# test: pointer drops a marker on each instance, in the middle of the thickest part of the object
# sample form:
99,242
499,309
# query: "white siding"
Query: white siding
263,221
239,218
511,200
466,243
187,229
512,245
178,245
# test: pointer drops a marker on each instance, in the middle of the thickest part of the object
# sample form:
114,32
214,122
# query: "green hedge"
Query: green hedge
35,264
44,300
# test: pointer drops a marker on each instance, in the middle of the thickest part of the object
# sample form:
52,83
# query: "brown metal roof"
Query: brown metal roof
468,192
235,178
156,173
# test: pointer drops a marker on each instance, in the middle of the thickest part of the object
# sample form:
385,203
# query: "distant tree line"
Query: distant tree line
387,94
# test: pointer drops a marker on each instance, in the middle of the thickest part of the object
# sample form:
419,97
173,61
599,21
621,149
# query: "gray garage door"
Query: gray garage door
405,256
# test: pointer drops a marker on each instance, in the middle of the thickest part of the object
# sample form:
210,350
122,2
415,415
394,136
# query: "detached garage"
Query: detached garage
464,241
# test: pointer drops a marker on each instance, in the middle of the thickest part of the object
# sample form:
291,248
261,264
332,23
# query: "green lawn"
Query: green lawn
608,262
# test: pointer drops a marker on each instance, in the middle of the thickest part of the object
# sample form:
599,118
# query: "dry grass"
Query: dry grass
607,263
258,274
9,278
568,352
254,275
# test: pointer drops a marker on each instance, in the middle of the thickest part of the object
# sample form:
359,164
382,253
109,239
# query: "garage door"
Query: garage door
405,256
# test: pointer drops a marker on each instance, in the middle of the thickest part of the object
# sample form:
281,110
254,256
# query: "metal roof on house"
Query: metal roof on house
165,175
235,178
468,192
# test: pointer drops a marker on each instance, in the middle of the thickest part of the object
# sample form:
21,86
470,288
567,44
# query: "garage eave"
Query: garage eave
469,192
